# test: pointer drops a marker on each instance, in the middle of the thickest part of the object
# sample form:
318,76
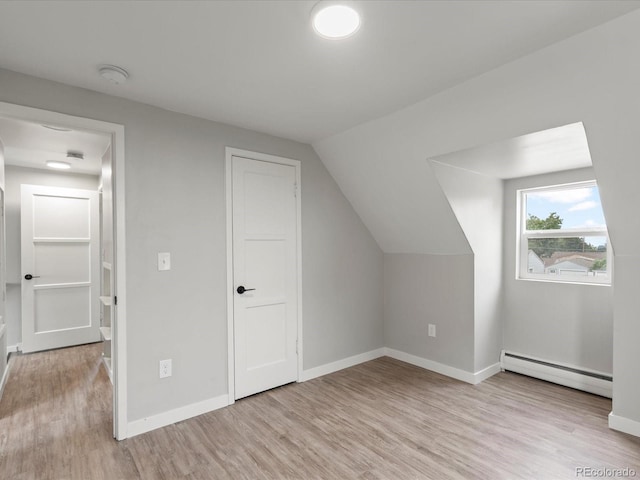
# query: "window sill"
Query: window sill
570,282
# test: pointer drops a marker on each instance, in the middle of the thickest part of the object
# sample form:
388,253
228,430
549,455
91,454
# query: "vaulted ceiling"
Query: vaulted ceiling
419,79
258,64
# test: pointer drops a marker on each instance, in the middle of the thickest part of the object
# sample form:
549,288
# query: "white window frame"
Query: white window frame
522,250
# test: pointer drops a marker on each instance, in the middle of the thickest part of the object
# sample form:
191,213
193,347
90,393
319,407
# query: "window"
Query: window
563,235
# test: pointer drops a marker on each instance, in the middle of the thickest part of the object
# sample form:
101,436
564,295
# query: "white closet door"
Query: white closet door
265,264
60,267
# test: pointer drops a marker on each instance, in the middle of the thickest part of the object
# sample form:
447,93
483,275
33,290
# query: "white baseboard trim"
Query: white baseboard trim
441,368
170,417
160,420
341,364
623,424
485,373
14,348
5,374
5,377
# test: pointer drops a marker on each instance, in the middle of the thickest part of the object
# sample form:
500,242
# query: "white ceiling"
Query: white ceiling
30,145
553,150
258,64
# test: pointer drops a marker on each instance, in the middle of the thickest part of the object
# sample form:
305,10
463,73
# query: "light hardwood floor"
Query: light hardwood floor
380,420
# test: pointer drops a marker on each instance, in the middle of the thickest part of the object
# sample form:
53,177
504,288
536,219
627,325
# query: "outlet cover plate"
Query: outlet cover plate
165,368
164,261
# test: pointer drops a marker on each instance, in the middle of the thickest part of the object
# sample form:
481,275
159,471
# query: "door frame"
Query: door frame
116,131
262,157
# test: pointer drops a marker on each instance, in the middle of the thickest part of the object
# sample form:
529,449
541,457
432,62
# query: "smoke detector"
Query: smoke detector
56,128
114,74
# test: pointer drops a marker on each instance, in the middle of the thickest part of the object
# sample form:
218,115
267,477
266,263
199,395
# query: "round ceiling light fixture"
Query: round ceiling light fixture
56,128
334,19
59,165
114,74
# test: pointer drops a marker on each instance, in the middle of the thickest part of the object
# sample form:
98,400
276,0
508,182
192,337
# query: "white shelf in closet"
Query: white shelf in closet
106,301
106,333
107,364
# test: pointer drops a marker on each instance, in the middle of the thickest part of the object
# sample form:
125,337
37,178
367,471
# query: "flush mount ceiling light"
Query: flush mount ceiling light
57,129
114,74
59,165
334,19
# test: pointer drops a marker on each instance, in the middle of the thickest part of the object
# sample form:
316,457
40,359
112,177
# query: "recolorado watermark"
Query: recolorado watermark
604,472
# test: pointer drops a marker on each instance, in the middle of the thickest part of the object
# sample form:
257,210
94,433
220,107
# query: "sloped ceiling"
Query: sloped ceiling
553,150
382,166
257,64
435,65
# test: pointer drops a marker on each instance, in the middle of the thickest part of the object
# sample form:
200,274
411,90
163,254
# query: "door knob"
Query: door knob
28,276
241,289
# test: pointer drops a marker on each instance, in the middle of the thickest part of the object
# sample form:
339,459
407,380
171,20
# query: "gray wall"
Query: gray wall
423,289
561,322
3,308
175,202
106,206
589,78
477,203
16,176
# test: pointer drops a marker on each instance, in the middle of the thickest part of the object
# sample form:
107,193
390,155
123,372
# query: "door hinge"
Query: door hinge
115,300
296,346
295,190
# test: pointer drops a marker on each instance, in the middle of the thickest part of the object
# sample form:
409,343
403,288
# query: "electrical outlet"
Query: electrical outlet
432,330
165,368
164,261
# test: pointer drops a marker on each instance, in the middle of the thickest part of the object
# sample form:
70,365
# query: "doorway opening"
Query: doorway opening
76,228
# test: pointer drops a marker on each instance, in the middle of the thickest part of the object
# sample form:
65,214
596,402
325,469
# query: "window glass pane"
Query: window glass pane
582,256
578,207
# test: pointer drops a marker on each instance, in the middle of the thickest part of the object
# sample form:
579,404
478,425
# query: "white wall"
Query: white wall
477,202
589,77
175,202
561,322
16,176
106,202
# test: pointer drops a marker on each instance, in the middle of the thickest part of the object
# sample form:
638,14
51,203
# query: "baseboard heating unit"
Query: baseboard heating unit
567,375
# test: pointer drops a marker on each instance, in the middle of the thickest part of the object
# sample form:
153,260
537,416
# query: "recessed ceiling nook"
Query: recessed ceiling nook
527,258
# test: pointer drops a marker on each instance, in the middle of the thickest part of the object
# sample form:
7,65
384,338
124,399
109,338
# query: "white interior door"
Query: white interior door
265,264
60,267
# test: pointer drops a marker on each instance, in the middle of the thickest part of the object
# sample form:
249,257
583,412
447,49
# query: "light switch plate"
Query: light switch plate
164,261
432,330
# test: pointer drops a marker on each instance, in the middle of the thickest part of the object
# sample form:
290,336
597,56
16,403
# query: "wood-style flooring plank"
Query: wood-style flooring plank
55,419
380,420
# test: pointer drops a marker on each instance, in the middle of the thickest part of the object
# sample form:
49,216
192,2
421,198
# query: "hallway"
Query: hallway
59,426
